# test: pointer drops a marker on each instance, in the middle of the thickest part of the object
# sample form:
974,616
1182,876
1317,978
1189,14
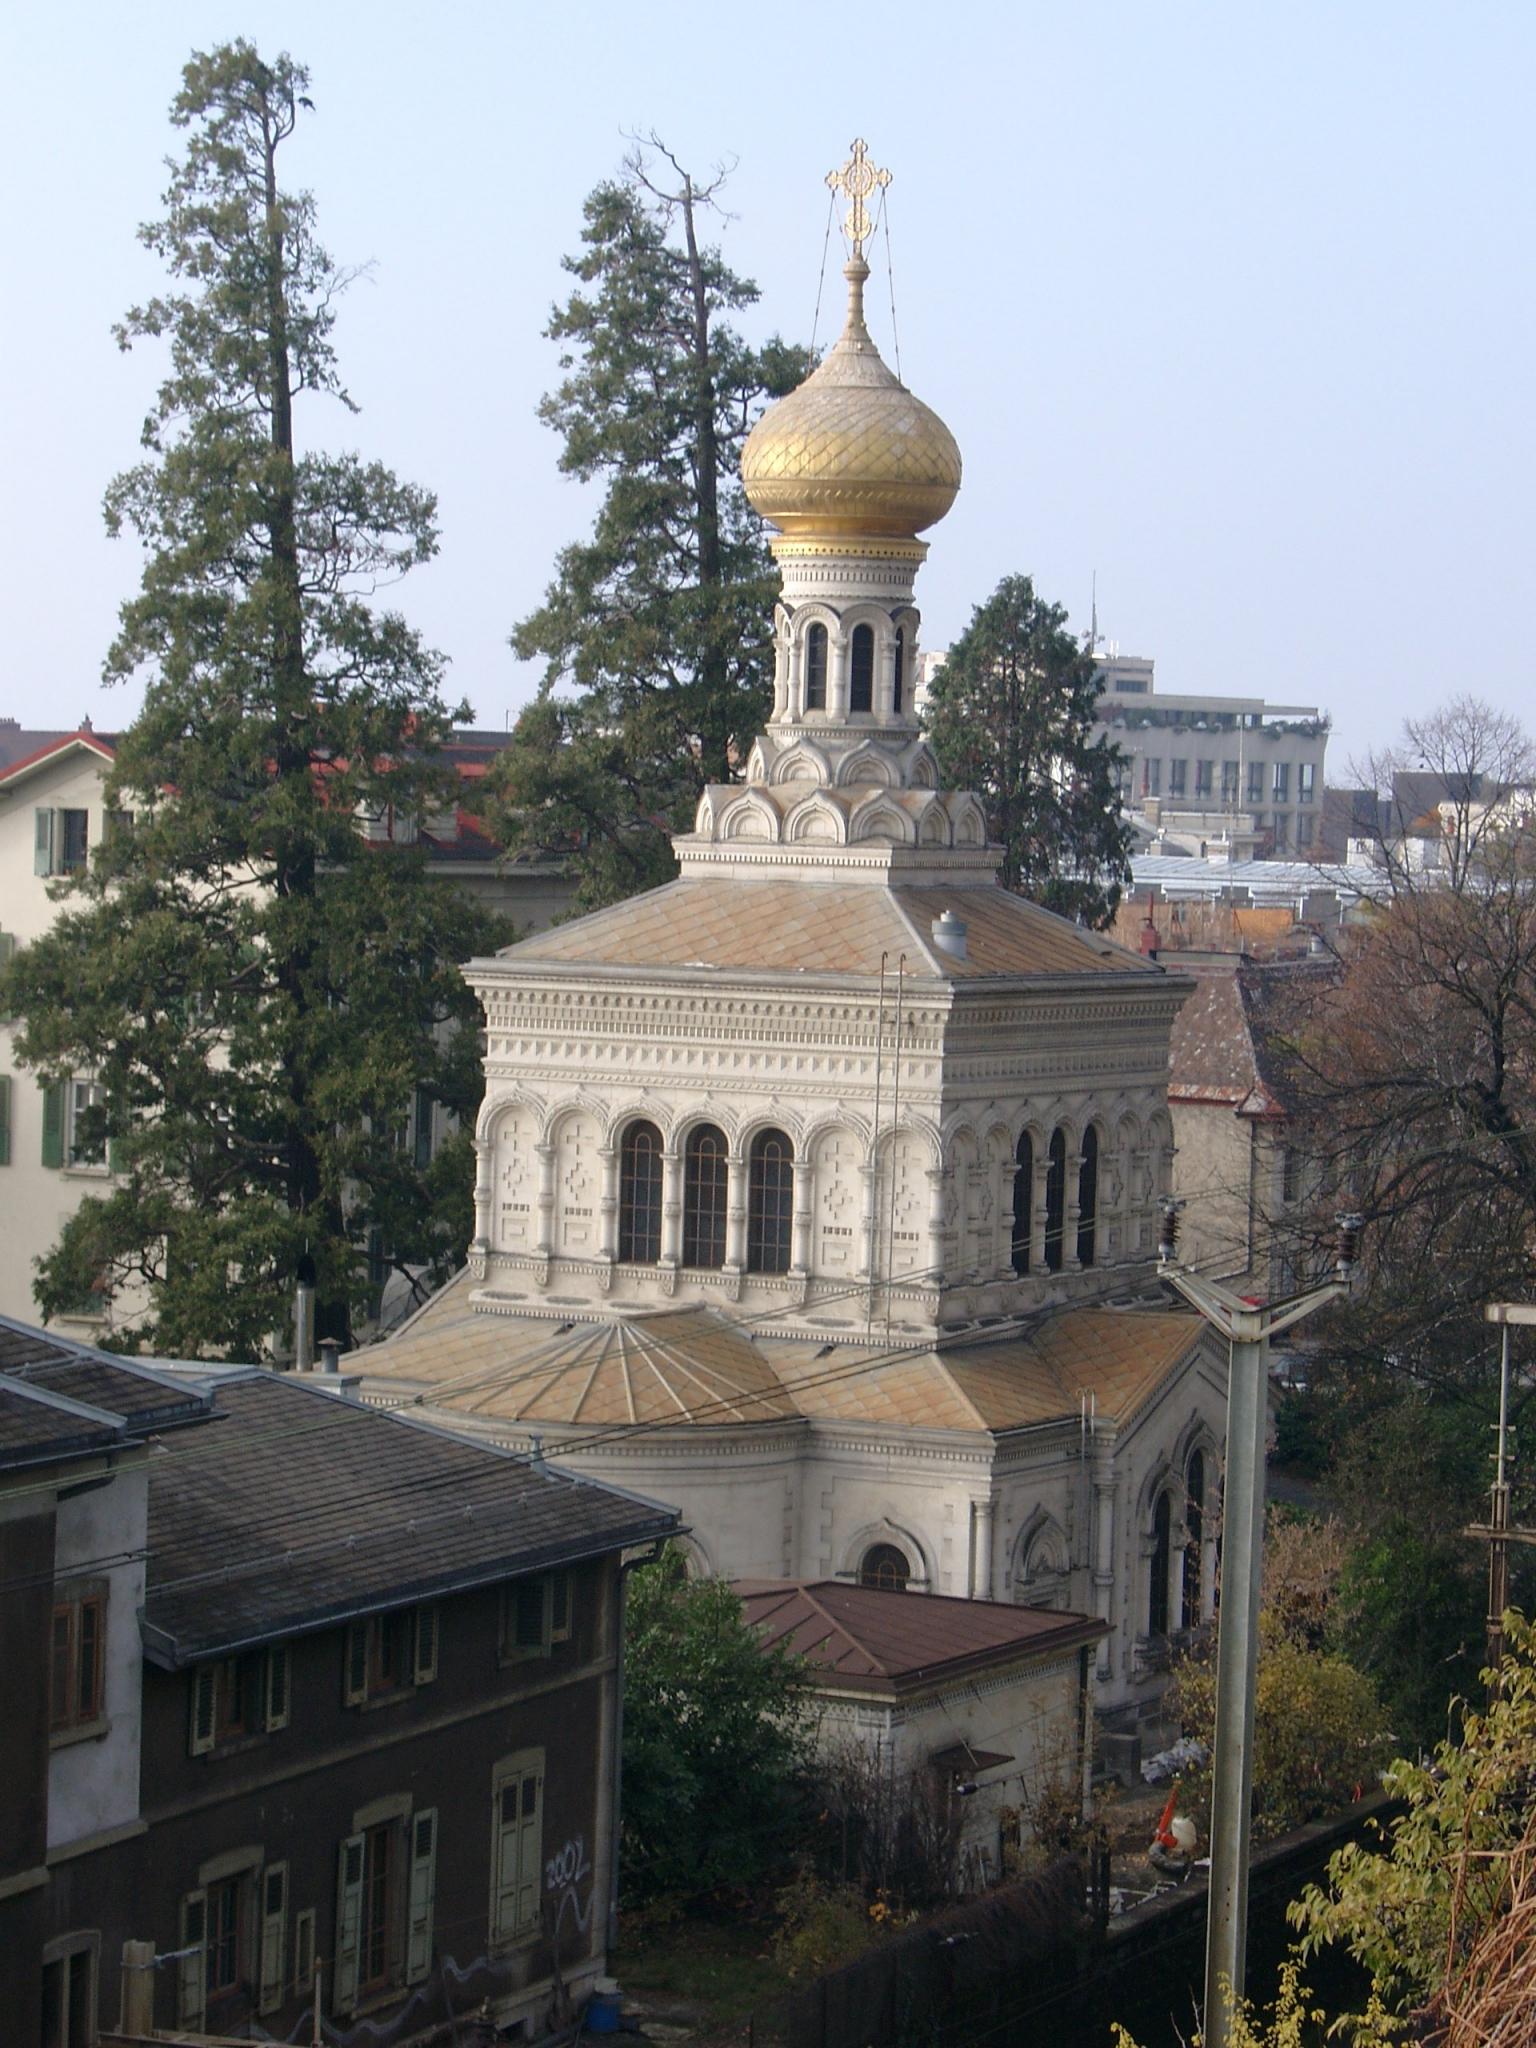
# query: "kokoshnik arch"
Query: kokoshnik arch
817,1190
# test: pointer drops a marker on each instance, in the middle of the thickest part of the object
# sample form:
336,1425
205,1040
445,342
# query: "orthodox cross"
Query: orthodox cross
858,178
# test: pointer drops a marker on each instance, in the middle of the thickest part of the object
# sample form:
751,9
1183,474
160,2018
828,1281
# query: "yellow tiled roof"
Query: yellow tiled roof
828,926
695,1365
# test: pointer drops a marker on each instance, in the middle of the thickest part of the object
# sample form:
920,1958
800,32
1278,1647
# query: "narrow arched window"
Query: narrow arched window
898,670
770,1202
1157,1586
885,1566
1088,1198
704,1192
861,670
816,668
1194,1522
640,1195
1023,1202
1056,1201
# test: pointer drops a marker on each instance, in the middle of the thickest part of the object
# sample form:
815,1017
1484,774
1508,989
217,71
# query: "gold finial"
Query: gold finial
858,178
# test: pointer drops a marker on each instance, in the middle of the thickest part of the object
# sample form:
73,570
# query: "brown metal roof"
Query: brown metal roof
868,1639
297,1509
825,924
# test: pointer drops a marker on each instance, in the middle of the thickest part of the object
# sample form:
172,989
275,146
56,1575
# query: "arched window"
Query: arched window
640,1194
886,1566
1157,1585
1194,1522
1088,1197
1023,1202
898,672
1056,1200
704,1189
816,668
770,1202
1043,1579
861,670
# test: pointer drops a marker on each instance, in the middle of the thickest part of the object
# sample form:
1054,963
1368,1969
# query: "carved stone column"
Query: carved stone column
608,1203
485,1170
736,1213
803,1217
869,1222
544,1152
671,1208
1070,1262
938,1246
981,1549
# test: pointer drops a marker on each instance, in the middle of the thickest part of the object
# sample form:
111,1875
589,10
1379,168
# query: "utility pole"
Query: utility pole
1498,1534
1248,1327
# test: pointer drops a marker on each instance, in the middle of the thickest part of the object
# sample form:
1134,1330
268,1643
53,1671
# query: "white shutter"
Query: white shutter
349,1923
426,1644
418,1950
43,841
204,1694
274,1935
192,1963
530,1845
276,1702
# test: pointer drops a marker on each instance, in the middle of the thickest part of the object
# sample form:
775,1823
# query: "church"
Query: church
817,1190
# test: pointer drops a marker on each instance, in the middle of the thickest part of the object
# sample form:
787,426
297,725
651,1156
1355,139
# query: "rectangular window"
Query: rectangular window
1306,782
1306,830
74,833
77,1660
304,1953
1229,782
1152,778
1177,771
1282,782
226,1967
535,1614
1255,782
376,1959
69,1996
61,841
388,1654
234,1698
517,1844
1203,777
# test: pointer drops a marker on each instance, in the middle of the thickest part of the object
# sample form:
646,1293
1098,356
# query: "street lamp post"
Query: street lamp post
1248,1326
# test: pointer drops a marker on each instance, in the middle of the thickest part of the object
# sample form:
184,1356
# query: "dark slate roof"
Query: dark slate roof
868,1639
1225,1044
298,1509
61,1399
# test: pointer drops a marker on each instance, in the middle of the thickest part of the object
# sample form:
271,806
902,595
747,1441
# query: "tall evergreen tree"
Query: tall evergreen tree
656,633
1011,715
260,984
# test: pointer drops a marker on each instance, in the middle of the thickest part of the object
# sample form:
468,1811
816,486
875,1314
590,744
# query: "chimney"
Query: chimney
1151,938
304,1315
949,935
330,1355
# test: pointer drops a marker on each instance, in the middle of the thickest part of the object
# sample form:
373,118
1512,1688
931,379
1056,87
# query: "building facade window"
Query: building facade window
69,1992
517,1844
1152,778
1157,1569
1255,782
388,1655
705,1180
61,842
1088,1198
640,1178
884,1566
770,1202
536,1613
1194,1524
861,669
233,1698
898,671
1204,771
1023,1201
1177,771
1306,782
1229,782
816,668
387,1873
1306,830
1281,790
77,1659
1056,1202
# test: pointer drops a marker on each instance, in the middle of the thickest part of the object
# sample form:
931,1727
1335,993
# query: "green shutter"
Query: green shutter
5,1119
42,842
53,1124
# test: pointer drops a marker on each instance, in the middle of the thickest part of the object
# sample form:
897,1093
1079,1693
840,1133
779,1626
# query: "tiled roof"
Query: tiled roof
1224,1045
697,1366
871,1640
296,1509
37,1427
827,925
144,1399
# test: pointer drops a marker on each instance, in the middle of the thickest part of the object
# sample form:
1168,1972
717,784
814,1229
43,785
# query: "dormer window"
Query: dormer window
861,670
816,668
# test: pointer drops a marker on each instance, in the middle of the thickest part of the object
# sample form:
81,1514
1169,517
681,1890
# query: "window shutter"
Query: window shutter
274,1931
204,1690
304,1952
42,843
426,1645
530,1845
504,1866
418,1954
560,1607
349,1924
5,1119
53,1124
277,1688
356,1681
192,1964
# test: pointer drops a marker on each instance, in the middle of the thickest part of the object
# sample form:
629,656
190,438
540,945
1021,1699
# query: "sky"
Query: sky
1230,307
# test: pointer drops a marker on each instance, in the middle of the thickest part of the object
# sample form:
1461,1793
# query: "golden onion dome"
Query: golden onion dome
851,452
